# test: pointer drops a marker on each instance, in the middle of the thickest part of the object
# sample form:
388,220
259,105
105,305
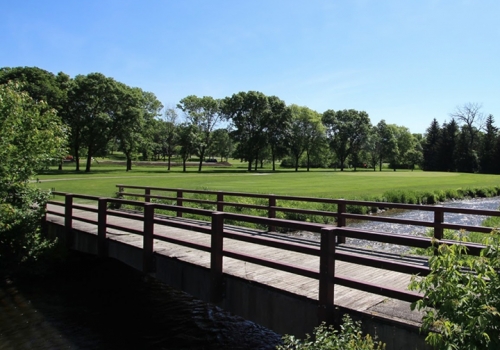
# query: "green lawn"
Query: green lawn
331,183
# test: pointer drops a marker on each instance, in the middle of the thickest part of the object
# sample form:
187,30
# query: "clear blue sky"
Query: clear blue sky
403,61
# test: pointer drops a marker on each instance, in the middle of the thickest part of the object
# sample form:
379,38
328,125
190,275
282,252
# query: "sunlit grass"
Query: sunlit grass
362,184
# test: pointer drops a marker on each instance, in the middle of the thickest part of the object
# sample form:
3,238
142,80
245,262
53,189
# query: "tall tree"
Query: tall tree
188,139
346,130
405,144
487,153
137,111
170,137
94,103
307,131
205,114
31,134
470,116
222,145
447,146
431,147
278,128
40,85
466,158
387,144
249,114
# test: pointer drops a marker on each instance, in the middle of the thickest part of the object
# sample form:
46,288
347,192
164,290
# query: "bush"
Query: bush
21,213
461,299
349,337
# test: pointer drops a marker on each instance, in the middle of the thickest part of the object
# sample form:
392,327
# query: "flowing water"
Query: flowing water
492,203
92,304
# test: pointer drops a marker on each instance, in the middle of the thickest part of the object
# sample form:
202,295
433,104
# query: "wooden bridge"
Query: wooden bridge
286,283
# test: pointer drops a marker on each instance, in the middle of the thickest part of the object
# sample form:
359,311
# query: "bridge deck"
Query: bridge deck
343,296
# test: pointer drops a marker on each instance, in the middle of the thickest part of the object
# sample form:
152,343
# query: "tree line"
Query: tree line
102,115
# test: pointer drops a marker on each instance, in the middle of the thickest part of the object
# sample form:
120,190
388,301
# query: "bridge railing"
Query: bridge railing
219,230
341,215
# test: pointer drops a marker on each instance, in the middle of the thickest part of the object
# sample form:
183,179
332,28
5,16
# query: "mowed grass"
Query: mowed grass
361,184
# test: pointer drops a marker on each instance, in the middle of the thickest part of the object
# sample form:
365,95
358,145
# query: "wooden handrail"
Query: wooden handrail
341,214
326,251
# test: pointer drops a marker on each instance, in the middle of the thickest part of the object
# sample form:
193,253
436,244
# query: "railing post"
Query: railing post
220,201
271,212
438,229
326,275
341,209
147,193
216,280
68,219
179,202
120,191
147,246
102,218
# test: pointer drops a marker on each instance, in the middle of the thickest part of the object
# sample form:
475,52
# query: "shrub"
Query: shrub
349,337
20,217
461,299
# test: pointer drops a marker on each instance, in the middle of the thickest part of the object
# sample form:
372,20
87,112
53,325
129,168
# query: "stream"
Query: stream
87,303
492,203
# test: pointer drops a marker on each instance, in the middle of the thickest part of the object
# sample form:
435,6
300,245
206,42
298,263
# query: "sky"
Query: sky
406,62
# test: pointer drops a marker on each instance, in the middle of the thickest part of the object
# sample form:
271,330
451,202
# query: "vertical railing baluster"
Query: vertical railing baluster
438,229
68,219
216,255
327,275
120,191
147,193
148,241
271,211
341,209
179,203
102,218
220,201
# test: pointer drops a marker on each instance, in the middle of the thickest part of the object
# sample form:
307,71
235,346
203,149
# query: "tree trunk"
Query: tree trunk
77,157
184,164
129,163
60,165
250,164
89,160
168,164
202,155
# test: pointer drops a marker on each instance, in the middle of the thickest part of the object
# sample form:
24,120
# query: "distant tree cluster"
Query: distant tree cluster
103,115
467,143
95,109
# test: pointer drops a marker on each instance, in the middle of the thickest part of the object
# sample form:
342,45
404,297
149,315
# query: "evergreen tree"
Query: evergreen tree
487,151
446,153
431,147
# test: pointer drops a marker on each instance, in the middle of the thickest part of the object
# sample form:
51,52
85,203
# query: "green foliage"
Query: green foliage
30,135
461,298
493,221
349,337
20,218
